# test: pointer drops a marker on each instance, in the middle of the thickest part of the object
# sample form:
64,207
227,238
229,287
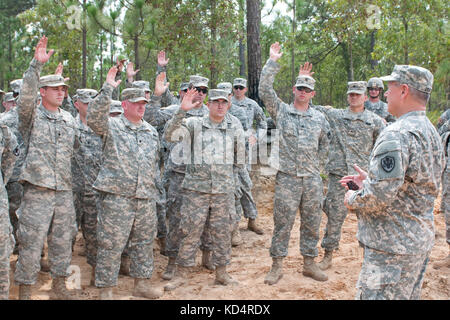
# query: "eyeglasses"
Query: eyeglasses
239,87
374,89
185,90
307,90
203,90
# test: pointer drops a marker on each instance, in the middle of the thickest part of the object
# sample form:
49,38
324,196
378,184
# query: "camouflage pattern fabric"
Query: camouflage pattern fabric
444,118
379,108
68,106
254,114
444,131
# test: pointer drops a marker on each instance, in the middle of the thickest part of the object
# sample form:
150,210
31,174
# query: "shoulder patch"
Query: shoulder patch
388,163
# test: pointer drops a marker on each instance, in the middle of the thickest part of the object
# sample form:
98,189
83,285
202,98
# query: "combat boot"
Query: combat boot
445,263
326,261
276,272
207,260
170,269
60,290
143,288
310,269
253,227
25,292
125,266
45,267
236,239
179,279
222,277
106,293
162,246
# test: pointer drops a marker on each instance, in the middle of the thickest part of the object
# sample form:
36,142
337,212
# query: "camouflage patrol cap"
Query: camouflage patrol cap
375,83
16,85
184,86
216,94
9,96
305,81
240,82
358,87
116,106
416,77
52,80
198,81
133,95
85,95
227,86
141,84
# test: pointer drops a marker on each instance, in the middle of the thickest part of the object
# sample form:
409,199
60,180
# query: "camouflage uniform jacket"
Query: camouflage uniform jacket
395,206
444,118
353,135
254,113
304,135
379,108
210,167
11,120
87,159
48,137
130,152
9,151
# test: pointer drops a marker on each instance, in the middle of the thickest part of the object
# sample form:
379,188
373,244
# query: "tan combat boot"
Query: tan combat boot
326,261
444,263
179,279
222,277
25,292
170,269
143,288
207,260
253,227
125,266
276,272
311,269
106,294
60,289
236,239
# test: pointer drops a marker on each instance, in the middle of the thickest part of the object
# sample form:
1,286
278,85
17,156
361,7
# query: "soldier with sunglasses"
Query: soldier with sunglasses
375,89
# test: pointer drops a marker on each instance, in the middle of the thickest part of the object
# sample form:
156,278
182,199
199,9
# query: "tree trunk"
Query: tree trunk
294,77
213,65
253,49
84,49
136,55
242,66
373,62
405,46
101,61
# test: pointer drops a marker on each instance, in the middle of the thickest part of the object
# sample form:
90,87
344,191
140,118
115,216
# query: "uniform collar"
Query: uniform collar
413,114
206,122
293,110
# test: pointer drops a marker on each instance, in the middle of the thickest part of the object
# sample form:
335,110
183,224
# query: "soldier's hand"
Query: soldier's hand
162,61
160,86
275,51
305,69
111,77
59,71
40,54
119,64
357,179
130,71
188,103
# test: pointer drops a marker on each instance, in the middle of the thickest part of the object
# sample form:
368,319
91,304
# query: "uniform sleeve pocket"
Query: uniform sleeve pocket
388,160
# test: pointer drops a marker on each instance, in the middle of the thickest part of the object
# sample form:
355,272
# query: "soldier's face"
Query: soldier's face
393,97
239,91
81,107
134,111
200,94
356,99
53,96
9,105
301,95
218,109
147,95
374,92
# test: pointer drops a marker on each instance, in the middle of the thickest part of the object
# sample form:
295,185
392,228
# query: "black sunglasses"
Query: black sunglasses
238,87
307,90
204,90
376,89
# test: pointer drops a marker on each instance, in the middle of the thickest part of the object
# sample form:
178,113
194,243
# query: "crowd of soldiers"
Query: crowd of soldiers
155,166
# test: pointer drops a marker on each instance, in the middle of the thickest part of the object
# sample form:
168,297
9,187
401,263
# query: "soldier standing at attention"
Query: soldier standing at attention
304,140
49,134
395,200
126,184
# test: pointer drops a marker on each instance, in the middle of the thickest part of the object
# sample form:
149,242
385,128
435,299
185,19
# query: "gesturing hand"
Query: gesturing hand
111,77
59,71
305,69
357,179
40,54
275,51
187,103
130,70
160,86
162,61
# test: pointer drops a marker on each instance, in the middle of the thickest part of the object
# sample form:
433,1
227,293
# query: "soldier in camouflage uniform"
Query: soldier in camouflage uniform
254,114
444,131
395,200
49,134
375,88
115,108
127,190
85,167
216,142
9,101
9,150
304,139
354,131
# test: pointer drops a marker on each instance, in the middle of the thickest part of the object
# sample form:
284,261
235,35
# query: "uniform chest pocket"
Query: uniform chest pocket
147,145
357,128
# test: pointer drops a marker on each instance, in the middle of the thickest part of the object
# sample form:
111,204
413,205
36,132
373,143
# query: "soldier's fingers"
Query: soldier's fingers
358,169
49,54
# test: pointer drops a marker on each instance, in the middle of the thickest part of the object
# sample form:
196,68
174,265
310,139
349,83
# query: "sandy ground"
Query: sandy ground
251,262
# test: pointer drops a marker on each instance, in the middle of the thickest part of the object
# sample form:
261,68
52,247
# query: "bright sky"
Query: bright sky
280,6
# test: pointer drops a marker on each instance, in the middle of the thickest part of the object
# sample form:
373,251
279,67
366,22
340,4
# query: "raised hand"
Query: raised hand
188,103
275,51
160,86
130,70
111,77
162,61
59,71
40,54
119,64
305,69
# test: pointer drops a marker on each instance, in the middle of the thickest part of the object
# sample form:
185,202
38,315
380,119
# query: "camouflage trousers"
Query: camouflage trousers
199,209
161,211
387,276
336,213
445,201
122,219
6,248
174,201
247,204
44,213
88,207
15,194
292,194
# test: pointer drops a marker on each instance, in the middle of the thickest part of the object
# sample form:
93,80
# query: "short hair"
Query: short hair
420,95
